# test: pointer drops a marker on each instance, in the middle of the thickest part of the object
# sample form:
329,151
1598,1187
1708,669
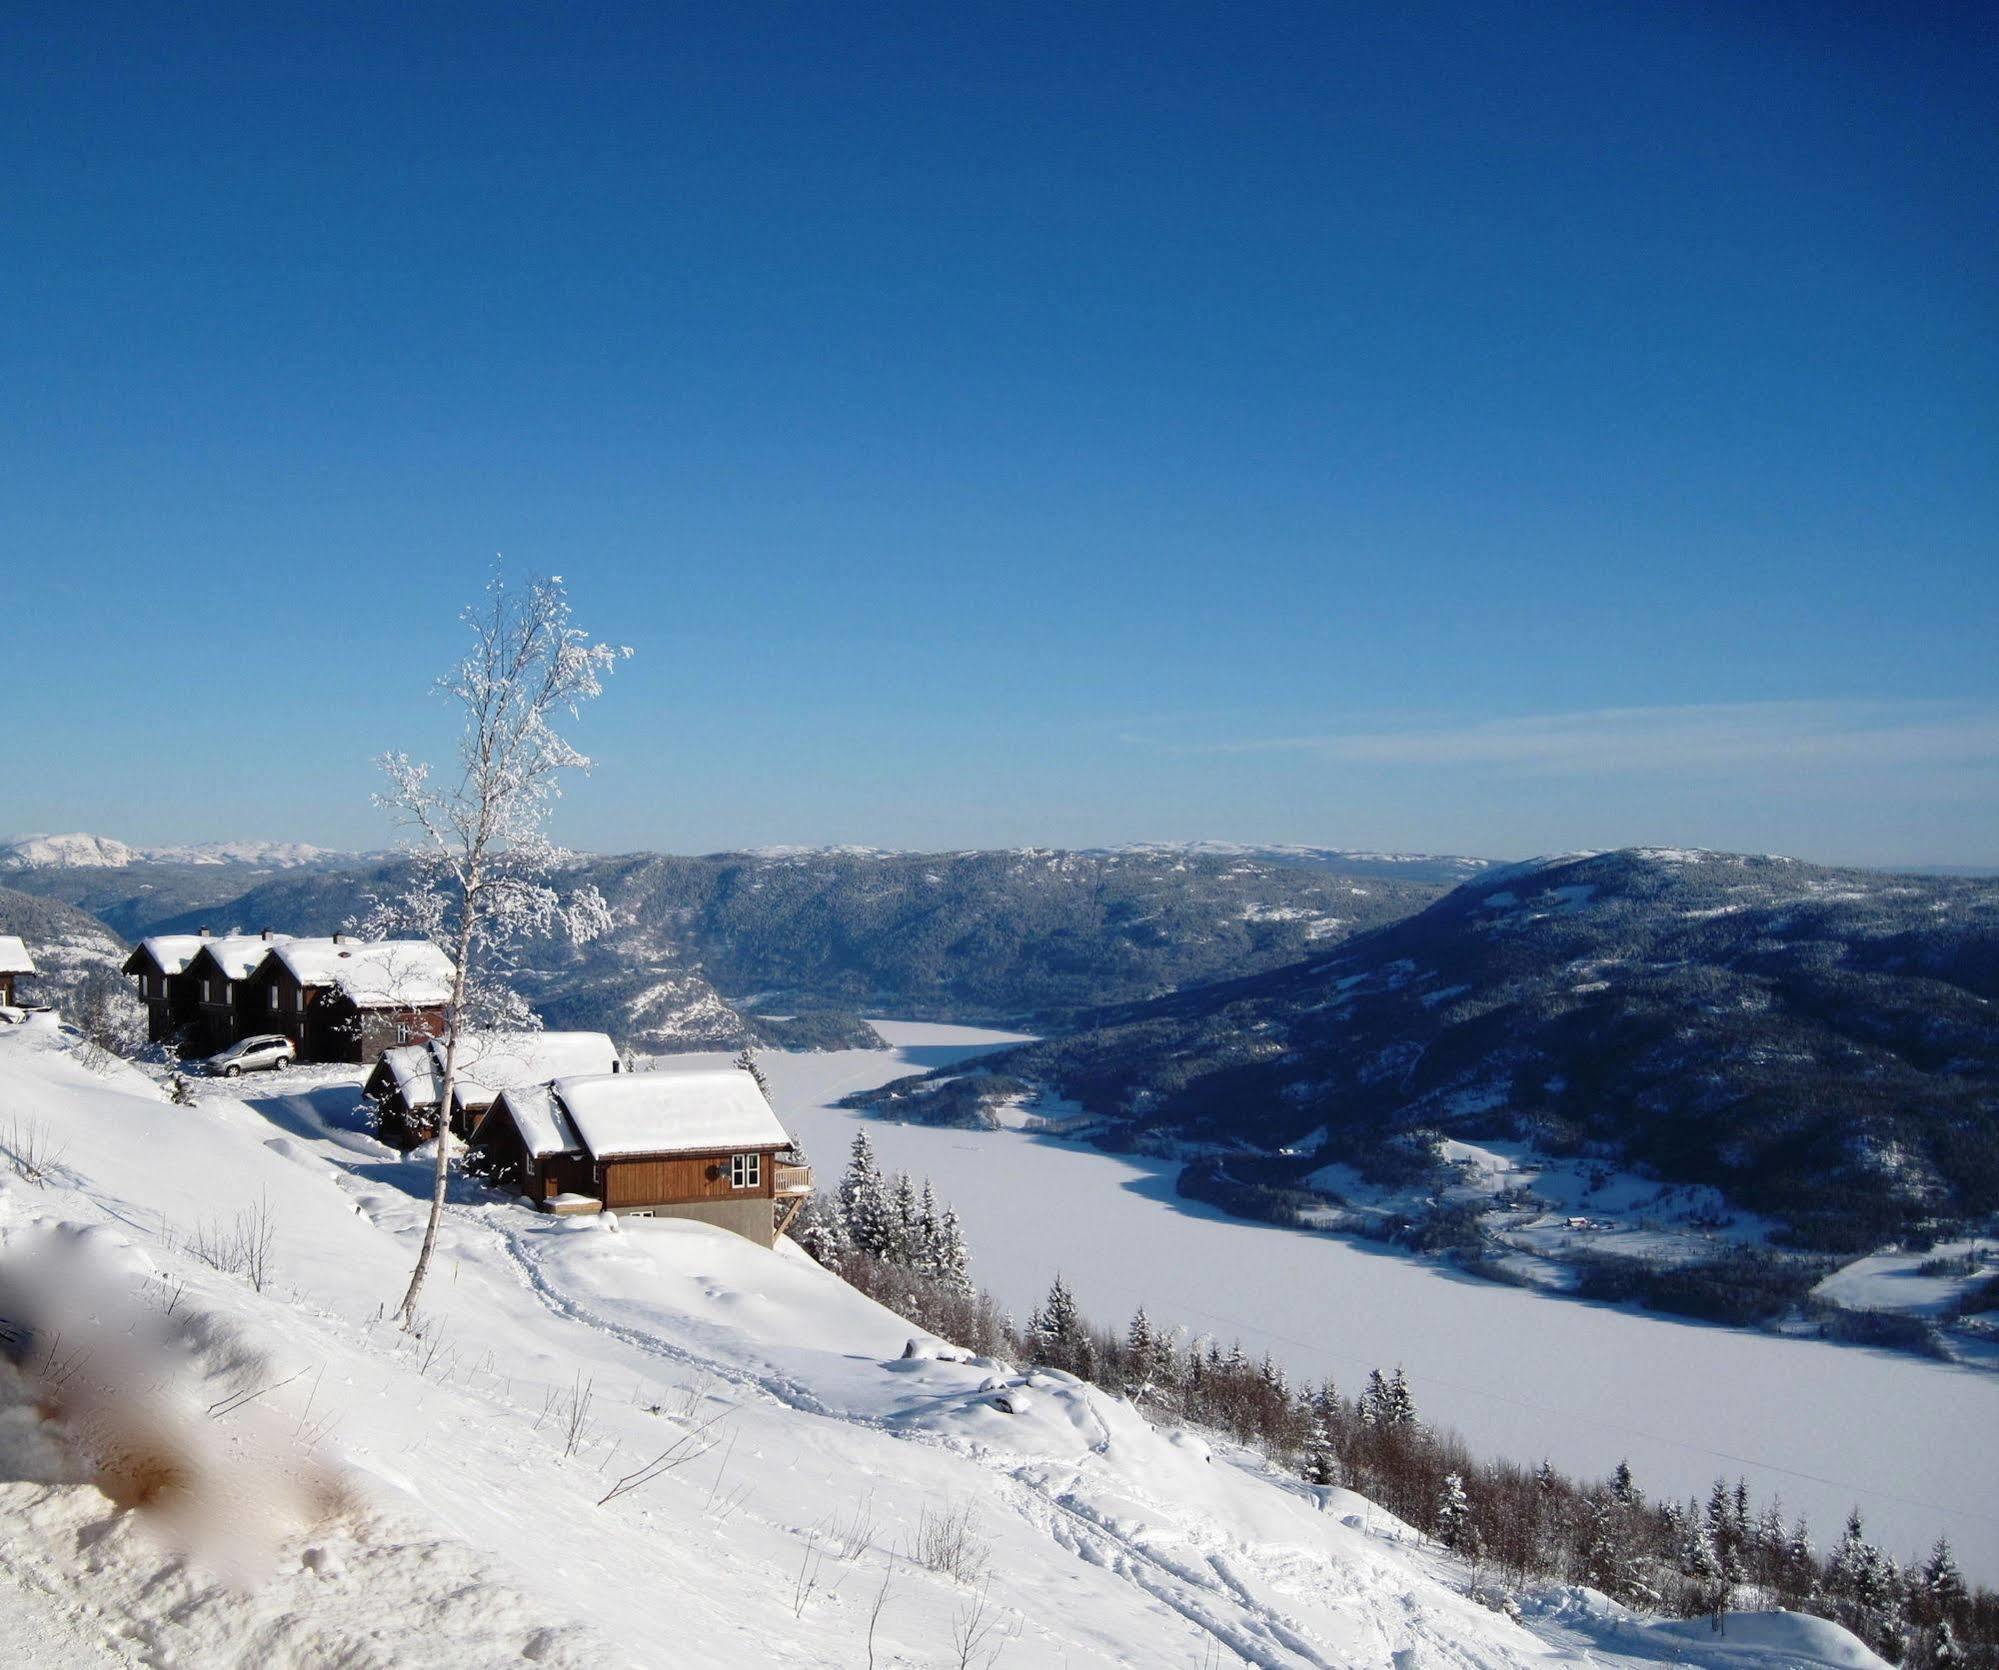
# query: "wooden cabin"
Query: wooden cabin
345,999
14,962
670,1144
219,973
408,1081
165,987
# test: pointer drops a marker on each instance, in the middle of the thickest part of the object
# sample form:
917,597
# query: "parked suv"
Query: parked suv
248,1055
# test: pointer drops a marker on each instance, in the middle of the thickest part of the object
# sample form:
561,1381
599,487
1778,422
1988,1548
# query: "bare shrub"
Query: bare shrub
33,1152
689,1446
948,1543
980,1631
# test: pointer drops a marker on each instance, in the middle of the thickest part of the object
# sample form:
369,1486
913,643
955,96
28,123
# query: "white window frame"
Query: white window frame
207,993
274,998
746,1171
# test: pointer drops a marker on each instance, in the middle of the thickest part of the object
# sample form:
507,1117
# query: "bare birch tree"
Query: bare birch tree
482,860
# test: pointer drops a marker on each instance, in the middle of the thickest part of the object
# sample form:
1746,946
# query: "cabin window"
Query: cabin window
746,1171
274,997
300,1000
228,990
207,992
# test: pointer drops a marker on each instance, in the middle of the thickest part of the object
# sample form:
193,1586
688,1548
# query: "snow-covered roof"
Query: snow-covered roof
707,1112
416,1073
544,1128
14,958
234,954
173,952
372,973
492,1062
489,1063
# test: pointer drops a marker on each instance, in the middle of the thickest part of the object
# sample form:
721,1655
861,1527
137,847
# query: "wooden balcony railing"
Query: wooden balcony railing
792,1180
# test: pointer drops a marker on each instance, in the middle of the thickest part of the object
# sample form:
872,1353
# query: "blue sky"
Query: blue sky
1490,429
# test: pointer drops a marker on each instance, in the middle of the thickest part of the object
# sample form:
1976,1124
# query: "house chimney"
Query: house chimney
204,933
263,933
339,939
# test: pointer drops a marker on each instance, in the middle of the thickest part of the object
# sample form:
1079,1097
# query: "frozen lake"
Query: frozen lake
1522,1375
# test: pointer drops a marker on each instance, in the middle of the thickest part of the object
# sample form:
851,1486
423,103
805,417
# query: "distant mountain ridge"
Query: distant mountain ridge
1028,934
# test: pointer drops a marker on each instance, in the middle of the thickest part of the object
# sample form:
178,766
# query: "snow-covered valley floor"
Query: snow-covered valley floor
200,1469
1521,1374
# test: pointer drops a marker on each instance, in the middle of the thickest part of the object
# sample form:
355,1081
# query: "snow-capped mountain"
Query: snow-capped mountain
64,852
80,851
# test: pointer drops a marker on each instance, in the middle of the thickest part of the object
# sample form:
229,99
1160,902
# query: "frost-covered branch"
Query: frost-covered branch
481,860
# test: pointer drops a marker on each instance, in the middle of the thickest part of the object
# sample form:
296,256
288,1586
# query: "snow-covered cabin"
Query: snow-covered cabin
669,1144
347,999
14,962
408,1081
160,964
216,972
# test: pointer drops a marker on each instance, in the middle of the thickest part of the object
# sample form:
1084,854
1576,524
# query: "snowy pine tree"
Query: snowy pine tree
747,1062
953,1261
926,1251
1057,1335
1454,1524
1373,1399
904,1228
1399,1408
821,1229
864,1201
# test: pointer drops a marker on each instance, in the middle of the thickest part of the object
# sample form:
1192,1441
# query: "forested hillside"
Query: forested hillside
1820,1044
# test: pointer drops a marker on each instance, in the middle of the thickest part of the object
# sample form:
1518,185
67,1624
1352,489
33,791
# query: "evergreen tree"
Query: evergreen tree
1374,1400
1057,1336
1941,1584
1945,1653
821,1229
1454,1523
904,1227
926,1252
1140,1349
1401,1408
1622,1490
864,1200
1322,1462
747,1062
953,1261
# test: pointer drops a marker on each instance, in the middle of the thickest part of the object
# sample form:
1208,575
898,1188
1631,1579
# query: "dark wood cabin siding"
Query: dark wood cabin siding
256,1013
213,1023
169,998
664,1182
6,989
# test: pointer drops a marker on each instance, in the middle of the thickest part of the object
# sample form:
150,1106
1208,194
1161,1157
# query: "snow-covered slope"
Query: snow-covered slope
205,1468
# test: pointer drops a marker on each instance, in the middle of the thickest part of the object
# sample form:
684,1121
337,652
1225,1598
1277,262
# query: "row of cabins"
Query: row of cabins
337,999
14,962
553,1112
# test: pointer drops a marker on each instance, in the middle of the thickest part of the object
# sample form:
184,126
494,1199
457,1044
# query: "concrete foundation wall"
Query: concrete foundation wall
750,1218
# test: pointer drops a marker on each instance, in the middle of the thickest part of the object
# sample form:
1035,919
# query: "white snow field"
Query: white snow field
1521,1374
210,1457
